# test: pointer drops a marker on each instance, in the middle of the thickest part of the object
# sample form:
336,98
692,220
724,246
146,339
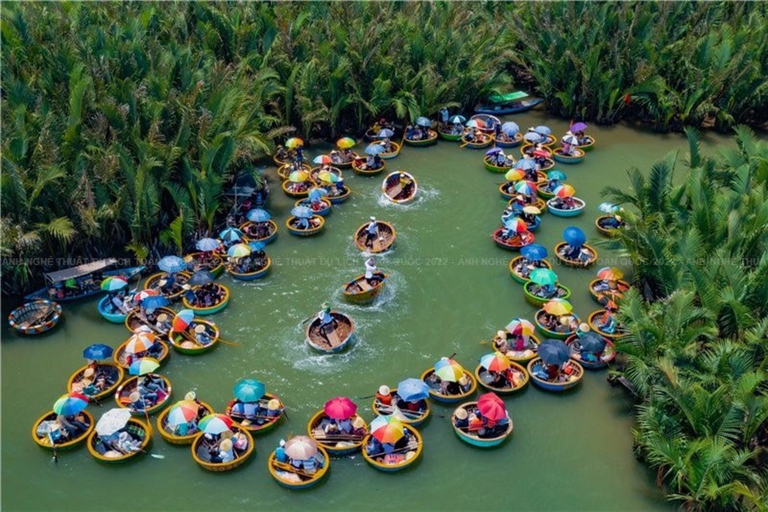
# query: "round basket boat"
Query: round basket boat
392,190
381,462
530,349
559,156
334,341
538,203
340,197
360,291
285,170
514,243
413,418
316,222
608,355
35,317
167,433
615,294
293,478
593,322
489,122
136,428
451,137
254,427
287,159
590,251
115,318
483,378
250,276
314,173
534,300
449,399
573,212
200,451
491,167
297,193
395,150
383,242
123,393
44,441
210,310
133,321
214,265
553,334
577,373
420,143
323,209
359,166
590,144
119,356
482,141
506,142
517,276
474,438
603,229
188,344
346,164
336,443
175,293
114,376
267,235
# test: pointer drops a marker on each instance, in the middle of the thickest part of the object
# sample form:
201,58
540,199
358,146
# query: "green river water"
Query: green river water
449,288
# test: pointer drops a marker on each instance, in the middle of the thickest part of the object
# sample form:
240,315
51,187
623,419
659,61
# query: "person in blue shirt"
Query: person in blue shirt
280,455
325,316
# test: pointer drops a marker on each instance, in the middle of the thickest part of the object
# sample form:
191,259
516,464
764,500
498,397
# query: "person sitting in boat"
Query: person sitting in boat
471,135
274,408
72,424
583,139
516,204
568,149
500,342
498,380
281,154
572,252
280,455
612,222
547,291
406,184
567,323
371,274
462,418
409,132
202,336
214,454
226,451
374,447
163,323
358,427
549,321
607,323
475,422
153,383
552,185
384,395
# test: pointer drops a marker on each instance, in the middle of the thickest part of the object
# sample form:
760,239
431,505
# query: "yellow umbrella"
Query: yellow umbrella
345,143
298,176
294,142
532,210
558,307
514,175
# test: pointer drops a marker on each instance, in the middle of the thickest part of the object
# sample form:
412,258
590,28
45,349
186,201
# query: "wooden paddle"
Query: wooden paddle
400,450
55,457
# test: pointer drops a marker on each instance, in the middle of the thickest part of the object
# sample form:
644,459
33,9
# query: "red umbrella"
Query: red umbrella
491,407
340,408
542,153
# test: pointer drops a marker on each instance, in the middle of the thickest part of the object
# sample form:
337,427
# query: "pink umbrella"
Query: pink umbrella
340,408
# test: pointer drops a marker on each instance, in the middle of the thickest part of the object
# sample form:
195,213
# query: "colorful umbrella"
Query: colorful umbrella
140,342
375,149
340,408
591,342
532,210
543,130
558,307
424,122
496,362
564,191
144,366
556,175
182,319
97,351
491,407
579,127
249,390
298,176
516,225
554,352
571,139
200,278
413,390
448,370
70,404
387,429
527,188
328,177
514,175
534,252
301,448
294,142
608,207
509,128
533,137
154,302
543,153
544,277
231,235
385,133
144,294
494,151
257,246
301,212
323,159
520,327
112,421
574,236
610,274
457,119
238,251
258,215
526,164
182,413
207,244
114,283
345,143
215,424
172,264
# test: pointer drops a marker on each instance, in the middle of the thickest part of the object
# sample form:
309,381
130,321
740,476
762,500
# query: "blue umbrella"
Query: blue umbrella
556,175
534,252
413,390
458,119
533,137
374,149
256,246
385,133
526,164
200,278
317,193
608,207
574,236
494,151
155,301
554,352
207,244
302,212
591,342
543,130
172,264
249,390
97,351
231,235
258,215
510,128
424,121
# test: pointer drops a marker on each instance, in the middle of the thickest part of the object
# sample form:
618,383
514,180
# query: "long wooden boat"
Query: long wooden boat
591,251
449,399
553,334
386,232
255,428
605,231
335,340
589,146
473,438
514,107
563,293
35,317
382,465
490,167
210,310
213,264
52,278
188,344
559,156
593,324
250,276
517,276
119,355
357,167
337,443
484,141
558,212
501,143
360,291
44,441
133,321
116,375
338,198
490,122
431,139
514,243
316,222
574,378
451,137
115,318
136,428
167,434
521,356
299,478
285,170
314,173
392,190
297,194
199,451
413,418
482,377
621,287
608,355
153,283
129,386
250,230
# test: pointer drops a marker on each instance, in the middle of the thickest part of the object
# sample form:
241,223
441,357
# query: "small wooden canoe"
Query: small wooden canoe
35,317
210,310
264,232
166,432
250,276
434,390
536,367
615,294
214,264
553,334
123,393
475,438
558,212
114,376
484,379
133,321
359,166
395,150
428,141
594,324
90,289
498,169
136,428
381,462
451,137
608,355
530,349
115,318
285,170
175,293
119,355
590,251
299,194
314,173
515,265
316,225
44,441
514,243
603,229
482,141
293,478
187,343
254,427
413,418
200,452
506,142
385,240
589,145
334,340
392,190
335,443
360,291
561,157
563,292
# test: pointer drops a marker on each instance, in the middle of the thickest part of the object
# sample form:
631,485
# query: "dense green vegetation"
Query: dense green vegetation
698,324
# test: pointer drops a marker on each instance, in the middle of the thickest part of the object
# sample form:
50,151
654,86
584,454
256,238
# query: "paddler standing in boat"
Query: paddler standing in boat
406,184
444,114
326,320
371,233
370,272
